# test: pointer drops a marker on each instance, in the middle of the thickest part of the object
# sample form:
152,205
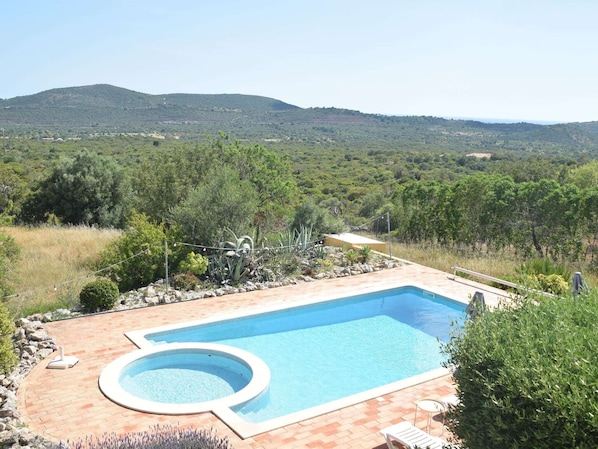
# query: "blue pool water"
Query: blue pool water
184,377
323,352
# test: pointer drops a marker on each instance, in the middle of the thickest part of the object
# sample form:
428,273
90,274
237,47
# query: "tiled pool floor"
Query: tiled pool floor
68,405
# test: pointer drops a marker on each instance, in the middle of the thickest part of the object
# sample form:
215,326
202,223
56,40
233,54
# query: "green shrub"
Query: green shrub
166,437
8,359
137,258
9,255
185,281
194,263
100,294
526,375
553,283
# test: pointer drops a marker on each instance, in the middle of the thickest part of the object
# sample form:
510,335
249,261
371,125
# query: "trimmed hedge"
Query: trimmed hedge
100,294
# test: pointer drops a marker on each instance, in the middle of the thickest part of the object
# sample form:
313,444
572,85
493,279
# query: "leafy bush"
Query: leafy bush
100,294
8,359
553,283
185,281
194,263
137,259
316,218
9,254
526,375
222,202
166,437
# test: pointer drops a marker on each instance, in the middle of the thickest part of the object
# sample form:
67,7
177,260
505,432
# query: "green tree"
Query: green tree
530,230
87,189
312,216
164,181
167,181
497,211
223,203
371,204
270,175
589,218
269,172
422,211
526,375
13,189
584,176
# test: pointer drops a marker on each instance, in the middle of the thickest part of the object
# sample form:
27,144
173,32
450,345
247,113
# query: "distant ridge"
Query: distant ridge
103,109
107,96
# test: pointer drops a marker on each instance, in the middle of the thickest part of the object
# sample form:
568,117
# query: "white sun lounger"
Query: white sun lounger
411,437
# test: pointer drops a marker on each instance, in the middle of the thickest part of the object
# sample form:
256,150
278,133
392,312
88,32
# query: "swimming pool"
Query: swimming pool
327,353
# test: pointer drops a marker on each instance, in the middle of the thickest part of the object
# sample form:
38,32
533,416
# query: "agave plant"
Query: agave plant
238,245
297,240
234,264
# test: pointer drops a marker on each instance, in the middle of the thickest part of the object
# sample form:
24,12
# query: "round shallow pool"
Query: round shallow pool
183,378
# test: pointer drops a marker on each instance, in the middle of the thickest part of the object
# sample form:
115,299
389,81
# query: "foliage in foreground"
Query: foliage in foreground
527,375
9,255
166,437
8,359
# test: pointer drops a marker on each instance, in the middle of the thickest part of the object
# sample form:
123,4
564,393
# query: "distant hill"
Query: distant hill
106,109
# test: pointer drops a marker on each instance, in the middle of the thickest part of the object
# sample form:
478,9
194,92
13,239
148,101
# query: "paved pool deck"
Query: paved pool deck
67,404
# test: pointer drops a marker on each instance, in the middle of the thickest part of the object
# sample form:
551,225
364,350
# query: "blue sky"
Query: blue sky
531,60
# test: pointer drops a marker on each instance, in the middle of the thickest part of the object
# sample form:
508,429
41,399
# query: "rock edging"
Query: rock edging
32,343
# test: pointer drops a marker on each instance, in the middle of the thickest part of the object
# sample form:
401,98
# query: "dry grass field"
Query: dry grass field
55,263
496,265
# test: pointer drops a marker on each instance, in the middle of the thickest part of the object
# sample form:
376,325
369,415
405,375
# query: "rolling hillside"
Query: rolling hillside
105,109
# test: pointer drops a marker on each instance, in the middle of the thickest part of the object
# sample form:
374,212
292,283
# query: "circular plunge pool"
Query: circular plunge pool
184,378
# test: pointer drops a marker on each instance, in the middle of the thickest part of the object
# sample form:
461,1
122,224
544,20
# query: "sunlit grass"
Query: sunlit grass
444,259
503,265
55,262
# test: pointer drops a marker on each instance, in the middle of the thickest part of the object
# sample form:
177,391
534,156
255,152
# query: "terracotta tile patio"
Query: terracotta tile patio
68,405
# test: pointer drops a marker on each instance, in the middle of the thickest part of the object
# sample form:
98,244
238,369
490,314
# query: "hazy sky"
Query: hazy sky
513,59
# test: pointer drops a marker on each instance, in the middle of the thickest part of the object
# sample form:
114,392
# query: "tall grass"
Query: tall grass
55,263
504,265
442,258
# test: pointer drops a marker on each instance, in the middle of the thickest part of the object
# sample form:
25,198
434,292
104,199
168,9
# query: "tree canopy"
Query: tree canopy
86,189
